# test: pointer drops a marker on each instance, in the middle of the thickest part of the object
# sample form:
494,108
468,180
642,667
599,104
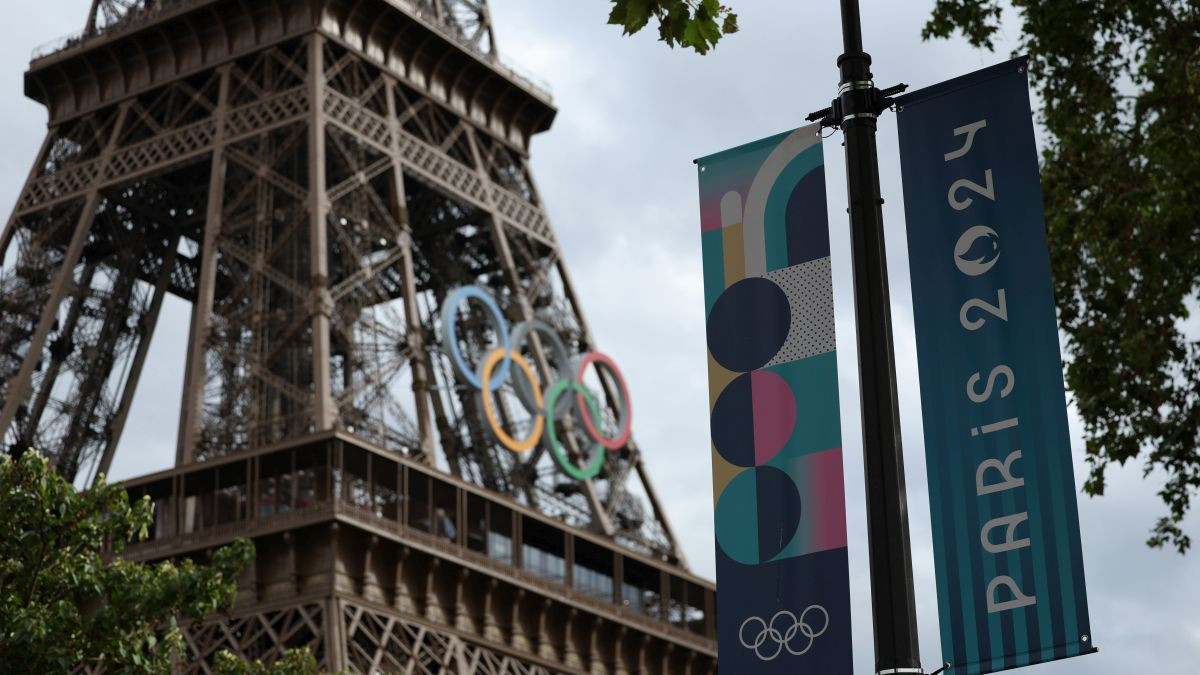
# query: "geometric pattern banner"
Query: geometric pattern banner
782,571
1001,488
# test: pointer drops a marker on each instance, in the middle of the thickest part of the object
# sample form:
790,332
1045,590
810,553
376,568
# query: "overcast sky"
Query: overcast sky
616,175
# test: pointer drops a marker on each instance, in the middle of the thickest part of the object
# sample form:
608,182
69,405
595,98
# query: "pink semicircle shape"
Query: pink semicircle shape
774,414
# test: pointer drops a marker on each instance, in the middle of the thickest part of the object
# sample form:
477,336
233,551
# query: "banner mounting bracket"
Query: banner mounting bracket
863,98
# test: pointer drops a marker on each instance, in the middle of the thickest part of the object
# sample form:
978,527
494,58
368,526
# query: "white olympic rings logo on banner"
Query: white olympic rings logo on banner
782,639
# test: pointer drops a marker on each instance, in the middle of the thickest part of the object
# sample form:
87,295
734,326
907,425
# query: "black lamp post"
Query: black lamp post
855,111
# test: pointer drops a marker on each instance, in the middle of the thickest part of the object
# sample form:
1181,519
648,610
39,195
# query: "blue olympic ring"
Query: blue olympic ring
450,321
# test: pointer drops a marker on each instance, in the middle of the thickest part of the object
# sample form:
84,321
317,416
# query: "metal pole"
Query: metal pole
895,622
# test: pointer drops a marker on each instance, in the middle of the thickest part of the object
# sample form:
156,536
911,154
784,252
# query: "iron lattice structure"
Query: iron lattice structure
314,177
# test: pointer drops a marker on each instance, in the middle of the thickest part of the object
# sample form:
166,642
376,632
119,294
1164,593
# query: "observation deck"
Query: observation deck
330,514
158,41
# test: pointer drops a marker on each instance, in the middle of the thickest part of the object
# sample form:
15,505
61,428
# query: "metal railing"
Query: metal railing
524,76
247,525
133,19
549,586
443,26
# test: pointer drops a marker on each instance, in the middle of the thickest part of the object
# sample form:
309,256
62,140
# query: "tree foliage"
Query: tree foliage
698,24
67,599
292,662
1119,82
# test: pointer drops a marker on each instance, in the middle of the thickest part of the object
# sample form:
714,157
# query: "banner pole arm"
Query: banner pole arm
855,111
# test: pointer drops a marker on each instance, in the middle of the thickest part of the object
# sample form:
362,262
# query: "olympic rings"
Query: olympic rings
507,441
494,370
782,640
450,320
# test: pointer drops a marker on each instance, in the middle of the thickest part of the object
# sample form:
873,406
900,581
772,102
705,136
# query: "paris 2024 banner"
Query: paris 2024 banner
784,603
1001,489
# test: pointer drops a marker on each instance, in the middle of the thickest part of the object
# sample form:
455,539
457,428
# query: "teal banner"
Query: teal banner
1001,490
783,579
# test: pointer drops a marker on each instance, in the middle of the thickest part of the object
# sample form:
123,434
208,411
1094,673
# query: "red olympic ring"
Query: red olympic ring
625,423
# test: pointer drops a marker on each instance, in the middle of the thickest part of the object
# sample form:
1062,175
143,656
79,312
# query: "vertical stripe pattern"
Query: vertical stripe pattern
1002,494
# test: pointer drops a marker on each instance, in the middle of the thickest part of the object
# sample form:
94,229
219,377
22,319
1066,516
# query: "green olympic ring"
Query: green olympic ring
564,462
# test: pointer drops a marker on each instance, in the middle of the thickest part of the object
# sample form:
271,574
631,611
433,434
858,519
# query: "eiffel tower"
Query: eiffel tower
341,190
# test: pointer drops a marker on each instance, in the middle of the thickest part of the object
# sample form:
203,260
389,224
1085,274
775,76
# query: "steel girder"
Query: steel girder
316,211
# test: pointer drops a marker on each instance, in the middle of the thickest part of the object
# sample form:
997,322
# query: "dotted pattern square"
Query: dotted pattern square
809,290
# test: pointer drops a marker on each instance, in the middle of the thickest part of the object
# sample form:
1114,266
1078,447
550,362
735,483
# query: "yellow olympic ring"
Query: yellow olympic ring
489,410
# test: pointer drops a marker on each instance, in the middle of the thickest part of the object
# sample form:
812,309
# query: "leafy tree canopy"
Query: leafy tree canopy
292,662
1119,82
698,24
66,599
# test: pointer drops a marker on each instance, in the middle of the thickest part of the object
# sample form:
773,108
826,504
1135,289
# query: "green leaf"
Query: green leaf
699,24
693,38
709,30
678,16
666,28
637,15
730,25
616,17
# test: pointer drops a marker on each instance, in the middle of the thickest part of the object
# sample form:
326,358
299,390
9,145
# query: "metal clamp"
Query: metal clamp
875,100
855,84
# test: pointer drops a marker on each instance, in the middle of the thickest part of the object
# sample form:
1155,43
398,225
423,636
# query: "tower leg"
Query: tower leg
146,332
412,317
191,414
324,411
20,388
335,637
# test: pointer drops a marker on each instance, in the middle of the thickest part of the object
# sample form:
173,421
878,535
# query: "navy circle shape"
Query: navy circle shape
732,422
779,510
748,324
